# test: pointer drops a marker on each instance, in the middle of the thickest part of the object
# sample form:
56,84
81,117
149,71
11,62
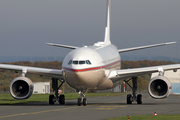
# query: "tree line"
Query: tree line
6,76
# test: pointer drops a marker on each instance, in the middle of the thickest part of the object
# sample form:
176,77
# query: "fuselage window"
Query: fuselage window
88,62
70,62
75,62
81,62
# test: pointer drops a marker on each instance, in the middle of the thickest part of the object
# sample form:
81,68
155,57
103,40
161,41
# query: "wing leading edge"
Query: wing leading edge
134,72
35,70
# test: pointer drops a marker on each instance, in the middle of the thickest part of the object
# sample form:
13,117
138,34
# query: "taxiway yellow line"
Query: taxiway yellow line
112,106
21,114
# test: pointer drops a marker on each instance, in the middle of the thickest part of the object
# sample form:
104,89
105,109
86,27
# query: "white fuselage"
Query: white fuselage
89,67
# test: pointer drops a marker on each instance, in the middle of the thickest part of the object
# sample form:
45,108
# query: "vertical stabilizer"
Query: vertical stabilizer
107,29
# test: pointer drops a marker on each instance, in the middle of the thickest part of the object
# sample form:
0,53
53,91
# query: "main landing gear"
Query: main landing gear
82,100
61,98
56,98
134,97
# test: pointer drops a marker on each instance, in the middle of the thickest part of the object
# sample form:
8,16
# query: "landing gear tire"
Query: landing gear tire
134,97
51,99
139,99
129,99
61,99
84,101
79,101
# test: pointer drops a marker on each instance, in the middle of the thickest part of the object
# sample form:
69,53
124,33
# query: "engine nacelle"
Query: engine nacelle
159,87
21,88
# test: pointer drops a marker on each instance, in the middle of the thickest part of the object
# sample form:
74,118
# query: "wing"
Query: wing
35,70
64,46
127,73
143,47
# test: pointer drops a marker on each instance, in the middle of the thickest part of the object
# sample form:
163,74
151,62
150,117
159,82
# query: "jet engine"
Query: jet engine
159,87
21,88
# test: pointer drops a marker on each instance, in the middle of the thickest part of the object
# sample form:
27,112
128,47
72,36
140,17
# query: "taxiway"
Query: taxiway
98,108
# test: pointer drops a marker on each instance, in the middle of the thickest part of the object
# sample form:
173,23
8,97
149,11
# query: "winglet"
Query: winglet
107,29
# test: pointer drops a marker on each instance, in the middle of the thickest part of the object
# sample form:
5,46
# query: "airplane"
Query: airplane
93,67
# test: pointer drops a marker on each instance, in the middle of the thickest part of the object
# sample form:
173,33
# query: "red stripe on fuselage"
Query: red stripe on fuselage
94,68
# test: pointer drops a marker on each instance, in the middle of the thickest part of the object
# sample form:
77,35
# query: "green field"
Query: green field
149,117
8,99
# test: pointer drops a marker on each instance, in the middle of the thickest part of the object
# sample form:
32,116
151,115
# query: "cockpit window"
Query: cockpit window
88,62
70,62
81,62
75,62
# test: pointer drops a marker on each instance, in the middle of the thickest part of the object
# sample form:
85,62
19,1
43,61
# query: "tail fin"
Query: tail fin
107,29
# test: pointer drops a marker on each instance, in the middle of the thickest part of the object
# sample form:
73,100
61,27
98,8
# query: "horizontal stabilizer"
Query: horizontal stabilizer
143,47
64,46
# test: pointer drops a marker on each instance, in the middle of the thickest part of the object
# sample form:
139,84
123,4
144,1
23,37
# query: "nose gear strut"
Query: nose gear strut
82,100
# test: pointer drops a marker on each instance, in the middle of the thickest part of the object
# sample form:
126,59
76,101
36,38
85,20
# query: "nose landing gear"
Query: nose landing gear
81,100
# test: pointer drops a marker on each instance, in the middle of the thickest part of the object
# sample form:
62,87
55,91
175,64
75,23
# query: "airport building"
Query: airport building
41,87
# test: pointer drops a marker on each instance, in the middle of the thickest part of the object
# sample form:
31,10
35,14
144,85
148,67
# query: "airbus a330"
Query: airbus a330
93,67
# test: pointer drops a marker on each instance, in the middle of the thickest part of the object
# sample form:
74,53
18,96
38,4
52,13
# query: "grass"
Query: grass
149,117
8,99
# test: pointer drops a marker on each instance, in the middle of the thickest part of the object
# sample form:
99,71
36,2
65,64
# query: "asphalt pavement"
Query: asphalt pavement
98,108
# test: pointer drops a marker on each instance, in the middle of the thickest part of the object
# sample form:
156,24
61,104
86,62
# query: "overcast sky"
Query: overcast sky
26,25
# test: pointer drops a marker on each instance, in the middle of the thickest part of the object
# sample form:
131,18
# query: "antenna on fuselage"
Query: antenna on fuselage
107,28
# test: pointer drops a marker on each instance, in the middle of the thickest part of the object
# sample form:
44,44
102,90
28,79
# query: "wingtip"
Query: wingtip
171,43
49,44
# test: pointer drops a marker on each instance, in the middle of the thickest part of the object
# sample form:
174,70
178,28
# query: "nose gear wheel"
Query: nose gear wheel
81,100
